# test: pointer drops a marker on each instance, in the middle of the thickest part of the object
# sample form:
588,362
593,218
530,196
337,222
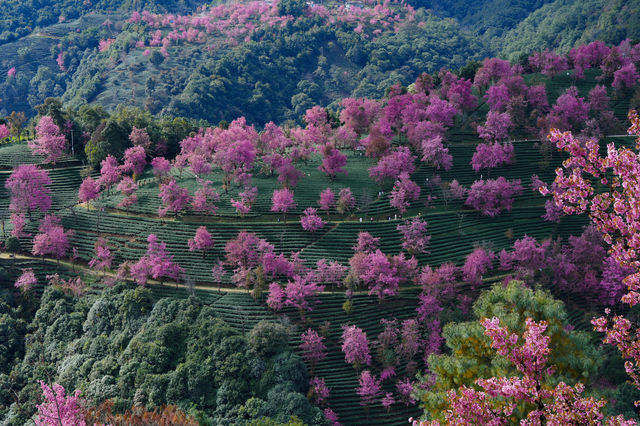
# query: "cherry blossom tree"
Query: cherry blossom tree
161,167
103,257
282,201
625,77
355,346
359,114
276,297
58,408
245,253
109,172
301,293
51,239
333,161
392,165
89,190
346,201
201,241
548,63
491,196
369,389
404,191
380,275
128,188
288,175
26,281
497,96
140,137
492,70
205,197
311,221
327,200
435,154
497,399
157,263
319,390
135,159
4,131
493,155
414,235
313,350
49,140
614,214
18,221
174,198
477,263
330,272
27,186
496,128
379,139
570,111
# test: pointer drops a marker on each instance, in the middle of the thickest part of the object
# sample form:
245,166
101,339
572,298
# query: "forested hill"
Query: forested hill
269,61
18,18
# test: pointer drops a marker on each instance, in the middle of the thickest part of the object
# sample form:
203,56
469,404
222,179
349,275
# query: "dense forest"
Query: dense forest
293,213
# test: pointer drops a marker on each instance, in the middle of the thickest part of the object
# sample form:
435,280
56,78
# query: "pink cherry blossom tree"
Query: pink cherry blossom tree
140,137
369,389
26,281
49,140
355,346
435,154
51,239
333,161
276,297
313,350
625,77
414,235
491,196
128,188
174,198
135,159
157,263
89,190
488,156
282,201
58,408
404,191
109,172
103,257
311,221
392,165
477,263
327,200
380,275
346,201
205,197
161,167
201,241
496,128
27,186
301,293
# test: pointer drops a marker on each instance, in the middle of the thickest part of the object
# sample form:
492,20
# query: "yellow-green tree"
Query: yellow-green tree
470,356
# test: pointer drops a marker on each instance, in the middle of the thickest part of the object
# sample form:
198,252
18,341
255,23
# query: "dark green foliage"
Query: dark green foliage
292,7
564,24
121,345
268,338
12,245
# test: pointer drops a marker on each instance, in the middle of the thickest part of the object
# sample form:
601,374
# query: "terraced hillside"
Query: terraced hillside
456,230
